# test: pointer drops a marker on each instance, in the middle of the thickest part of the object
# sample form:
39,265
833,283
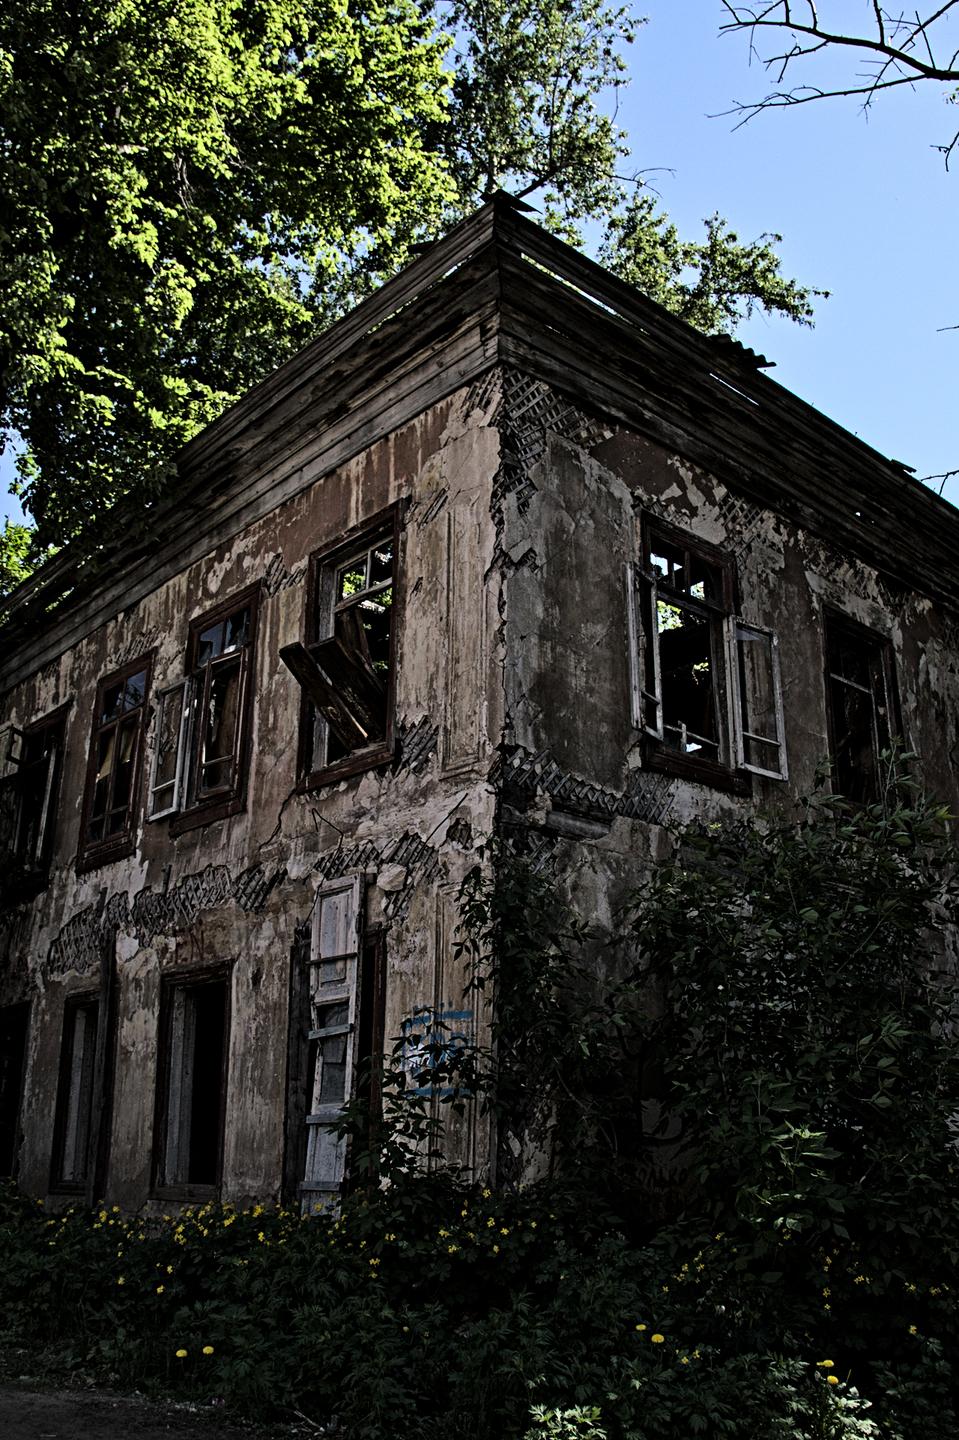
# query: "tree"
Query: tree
527,75
714,286
178,179
190,191
899,48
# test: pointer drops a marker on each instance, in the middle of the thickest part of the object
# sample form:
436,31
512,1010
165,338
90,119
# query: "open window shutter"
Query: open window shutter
759,737
334,968
169,750
45,819
644,653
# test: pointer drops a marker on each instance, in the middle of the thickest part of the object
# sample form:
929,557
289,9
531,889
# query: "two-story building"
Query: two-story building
508,551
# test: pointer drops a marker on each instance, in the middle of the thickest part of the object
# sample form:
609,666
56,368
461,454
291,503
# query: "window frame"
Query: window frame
187,812
881,660
731,772
83,1118
39,861
184,980
92,853
323,561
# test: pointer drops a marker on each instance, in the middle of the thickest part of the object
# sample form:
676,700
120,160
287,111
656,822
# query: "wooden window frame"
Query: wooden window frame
728,632
91,854
187,978
87,999
228,799
322,561
881,662
38,863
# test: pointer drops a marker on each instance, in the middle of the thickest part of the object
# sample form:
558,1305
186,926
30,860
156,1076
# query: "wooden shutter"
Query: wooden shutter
334,972
647,694
756,686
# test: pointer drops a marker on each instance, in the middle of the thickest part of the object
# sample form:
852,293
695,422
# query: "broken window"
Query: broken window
108,829
191,1102
706,683
201,731
346,671
13,1043
28,796
860,705
74,1116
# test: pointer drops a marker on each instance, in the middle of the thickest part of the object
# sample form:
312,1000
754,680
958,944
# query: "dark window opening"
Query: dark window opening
706,687
28,797
193,1086
74,1120
346,670
13,1044
860,704
113,774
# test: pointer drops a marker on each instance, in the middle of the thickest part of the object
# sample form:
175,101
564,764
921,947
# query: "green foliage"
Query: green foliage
14,551
524,114
804,1033
179,181
714,285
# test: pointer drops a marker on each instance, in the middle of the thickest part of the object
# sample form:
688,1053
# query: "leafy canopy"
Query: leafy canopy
178,178
191,189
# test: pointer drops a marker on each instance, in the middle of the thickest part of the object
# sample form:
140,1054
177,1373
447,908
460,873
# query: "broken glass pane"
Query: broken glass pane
686,677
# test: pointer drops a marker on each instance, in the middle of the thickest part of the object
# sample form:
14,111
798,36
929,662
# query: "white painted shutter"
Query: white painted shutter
334,969
756,686
170,746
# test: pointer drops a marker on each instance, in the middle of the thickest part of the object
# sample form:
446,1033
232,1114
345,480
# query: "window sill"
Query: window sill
206,814
116,849
702,772
184,1192
353,764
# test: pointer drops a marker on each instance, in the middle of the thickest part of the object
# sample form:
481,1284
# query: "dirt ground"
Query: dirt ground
38,1414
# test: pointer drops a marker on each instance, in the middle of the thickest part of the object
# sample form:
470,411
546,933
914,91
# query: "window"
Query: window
28,797
74,1116
13,1043
860,705
706,686
346,671
201,735
346,1028
192,1085
108,829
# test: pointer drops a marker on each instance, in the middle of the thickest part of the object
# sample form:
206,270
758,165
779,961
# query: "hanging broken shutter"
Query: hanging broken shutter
647,692
169,750
759,737
44,828
334,965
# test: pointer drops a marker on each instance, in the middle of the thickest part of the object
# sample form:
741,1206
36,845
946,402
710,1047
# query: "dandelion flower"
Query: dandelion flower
208,1349
181,1354
827,1364
640,1327
657,1339
832,1379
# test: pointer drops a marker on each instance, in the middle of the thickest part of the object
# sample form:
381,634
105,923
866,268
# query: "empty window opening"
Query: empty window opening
196,1039
346,670
75,1099
28,797
13,1042
113,775
860,706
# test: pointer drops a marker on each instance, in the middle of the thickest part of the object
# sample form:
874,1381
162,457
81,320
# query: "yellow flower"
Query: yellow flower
452,1248
169,1269
159,1289
504,1231
832,1379
181,1354
827,1364
684,1361
121,1281
640,1327
912,1329
496,1252
657,1339
208,1349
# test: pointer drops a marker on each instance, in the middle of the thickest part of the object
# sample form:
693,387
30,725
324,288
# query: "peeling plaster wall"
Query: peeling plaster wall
237,892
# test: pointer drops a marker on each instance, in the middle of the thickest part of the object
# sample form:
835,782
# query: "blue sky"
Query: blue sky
865,206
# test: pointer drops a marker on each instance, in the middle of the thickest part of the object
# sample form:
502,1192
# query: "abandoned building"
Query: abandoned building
508,550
